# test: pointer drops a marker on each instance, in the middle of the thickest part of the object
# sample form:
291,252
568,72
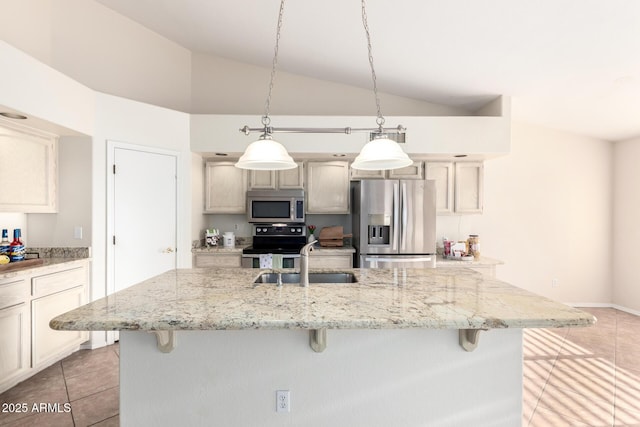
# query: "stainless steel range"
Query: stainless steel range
284,239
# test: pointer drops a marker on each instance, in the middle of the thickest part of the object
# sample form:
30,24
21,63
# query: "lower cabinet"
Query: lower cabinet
320,260
47,344
217,260
14,344
28,302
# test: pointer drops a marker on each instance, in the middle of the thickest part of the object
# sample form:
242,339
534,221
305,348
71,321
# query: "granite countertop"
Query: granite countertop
227,298
48,262
448,262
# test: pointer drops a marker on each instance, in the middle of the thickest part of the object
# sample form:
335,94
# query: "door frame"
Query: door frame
110,206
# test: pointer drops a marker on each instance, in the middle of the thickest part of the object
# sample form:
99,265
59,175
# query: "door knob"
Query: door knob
168,251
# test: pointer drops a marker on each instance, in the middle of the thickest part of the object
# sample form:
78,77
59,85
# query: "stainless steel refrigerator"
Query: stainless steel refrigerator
394,223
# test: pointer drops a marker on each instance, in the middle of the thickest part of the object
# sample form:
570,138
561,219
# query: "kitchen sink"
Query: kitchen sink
313,278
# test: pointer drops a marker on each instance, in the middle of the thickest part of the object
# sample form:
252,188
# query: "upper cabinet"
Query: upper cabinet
225,188
415,171
29,170
277,180
468,187
327,187
442,174
459,186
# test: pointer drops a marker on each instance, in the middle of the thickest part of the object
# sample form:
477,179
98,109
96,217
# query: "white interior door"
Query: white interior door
144,215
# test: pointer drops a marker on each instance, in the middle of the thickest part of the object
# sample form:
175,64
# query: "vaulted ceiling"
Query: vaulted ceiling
567,64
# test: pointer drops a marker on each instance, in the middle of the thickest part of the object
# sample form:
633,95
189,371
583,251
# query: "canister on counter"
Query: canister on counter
474,245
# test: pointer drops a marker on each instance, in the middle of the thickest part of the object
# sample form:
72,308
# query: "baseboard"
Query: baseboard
604,305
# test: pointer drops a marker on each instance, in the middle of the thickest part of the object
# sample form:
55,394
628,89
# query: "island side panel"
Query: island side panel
364,378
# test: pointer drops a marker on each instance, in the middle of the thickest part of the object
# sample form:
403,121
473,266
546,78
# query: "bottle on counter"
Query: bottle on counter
16,248
474,246
4,247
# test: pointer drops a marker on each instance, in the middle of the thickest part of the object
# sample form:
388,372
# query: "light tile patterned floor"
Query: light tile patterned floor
88,380
584,376
572,377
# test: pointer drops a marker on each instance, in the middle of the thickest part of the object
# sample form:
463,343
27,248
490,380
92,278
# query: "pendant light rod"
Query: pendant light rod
346,130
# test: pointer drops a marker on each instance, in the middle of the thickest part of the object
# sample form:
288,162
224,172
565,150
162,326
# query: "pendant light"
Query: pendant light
266,153
380,153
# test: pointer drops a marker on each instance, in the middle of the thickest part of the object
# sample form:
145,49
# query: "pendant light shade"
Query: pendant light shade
381,153
266,154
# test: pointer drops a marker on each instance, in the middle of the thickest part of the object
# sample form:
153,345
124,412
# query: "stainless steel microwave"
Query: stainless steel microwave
275,206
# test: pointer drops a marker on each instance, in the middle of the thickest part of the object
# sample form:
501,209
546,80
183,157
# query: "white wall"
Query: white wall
223,86
100,48
74,199
626,224
11,221
547,214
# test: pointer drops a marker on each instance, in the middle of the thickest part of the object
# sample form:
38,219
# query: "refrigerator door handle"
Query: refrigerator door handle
403,197
396,216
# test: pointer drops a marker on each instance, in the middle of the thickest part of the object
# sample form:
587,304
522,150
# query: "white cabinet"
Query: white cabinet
358,174
225,188
442,174
327,187
54,294
274,180
469,187
414,171
28,302
47,344
14,331
29,170
217,260
317,260
459,186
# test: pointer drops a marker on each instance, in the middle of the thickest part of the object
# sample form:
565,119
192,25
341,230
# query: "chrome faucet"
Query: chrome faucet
304,263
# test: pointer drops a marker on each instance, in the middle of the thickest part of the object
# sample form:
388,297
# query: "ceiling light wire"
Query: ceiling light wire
267,105
365,23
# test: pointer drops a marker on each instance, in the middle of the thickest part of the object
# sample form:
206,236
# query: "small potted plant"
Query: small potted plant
312,230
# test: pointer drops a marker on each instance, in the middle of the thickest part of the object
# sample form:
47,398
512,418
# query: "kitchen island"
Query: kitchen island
399,347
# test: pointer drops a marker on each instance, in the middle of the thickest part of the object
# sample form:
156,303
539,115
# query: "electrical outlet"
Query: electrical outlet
77,232
283,401
554,283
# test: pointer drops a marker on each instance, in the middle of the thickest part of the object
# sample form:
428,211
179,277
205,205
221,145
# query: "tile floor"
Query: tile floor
88,380
584,376
572,377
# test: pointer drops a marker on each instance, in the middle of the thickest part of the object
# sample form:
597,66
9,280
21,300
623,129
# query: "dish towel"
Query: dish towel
276,261
266,261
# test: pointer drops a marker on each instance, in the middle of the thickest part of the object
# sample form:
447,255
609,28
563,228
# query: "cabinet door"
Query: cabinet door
262,180
331,261
218,260
327,187
469,184
442,174
14,343
291,178
47,344
29,170
415,171
358,174
225,188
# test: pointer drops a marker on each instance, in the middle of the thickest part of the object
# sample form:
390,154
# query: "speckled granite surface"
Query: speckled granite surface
61,252
48,262
210,299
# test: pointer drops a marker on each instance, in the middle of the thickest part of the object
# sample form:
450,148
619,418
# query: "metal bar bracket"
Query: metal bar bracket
469,338
166,340
318,339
